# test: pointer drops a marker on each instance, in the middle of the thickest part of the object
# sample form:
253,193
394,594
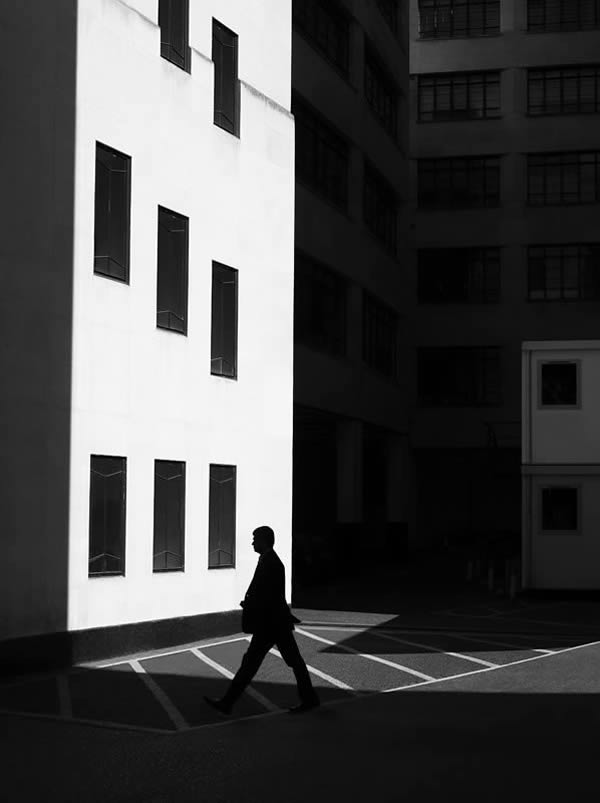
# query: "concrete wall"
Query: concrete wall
36,258
146,393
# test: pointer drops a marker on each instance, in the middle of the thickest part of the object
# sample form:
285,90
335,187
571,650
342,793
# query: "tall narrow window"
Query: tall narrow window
381,91
560,509
111,221
319,307
227,87
169,515
221,522
223,352
173,20
107,516
380,336
380,208
559,384
326,26
171,307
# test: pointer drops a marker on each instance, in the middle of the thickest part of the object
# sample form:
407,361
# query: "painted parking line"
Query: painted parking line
250,691
323,675
496,642
423,645
170,709
160,654
368,657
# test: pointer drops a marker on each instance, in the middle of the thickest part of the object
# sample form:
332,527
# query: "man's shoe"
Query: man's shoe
220,706
304,707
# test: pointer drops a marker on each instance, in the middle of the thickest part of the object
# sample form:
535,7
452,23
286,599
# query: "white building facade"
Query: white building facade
177,360
561,464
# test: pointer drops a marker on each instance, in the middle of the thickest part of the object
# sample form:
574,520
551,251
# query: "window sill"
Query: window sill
187,67
211,568
106,574
224,376
168,571
461,37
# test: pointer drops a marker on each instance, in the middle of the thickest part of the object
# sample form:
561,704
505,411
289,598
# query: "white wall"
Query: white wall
145,393
562,435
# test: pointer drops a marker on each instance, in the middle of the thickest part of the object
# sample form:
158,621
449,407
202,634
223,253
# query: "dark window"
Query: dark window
560,508
325,26
319,307
459,96
107,515
171,308
467,181
380,207
111,220
223,347
227,86
562,15
564,273
462,376
221,522
380,336
563,178
169,515
459,275
381,92
321,155
458,18
564,90
389,11
173,21
559,384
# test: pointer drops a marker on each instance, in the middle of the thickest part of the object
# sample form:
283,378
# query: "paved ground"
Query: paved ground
455,695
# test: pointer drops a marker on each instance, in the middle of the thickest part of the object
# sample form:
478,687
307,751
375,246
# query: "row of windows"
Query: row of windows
327,27
472,275
476,95
320,317
323,161
470,376
553,179
111,259
108,482
173,19
443,19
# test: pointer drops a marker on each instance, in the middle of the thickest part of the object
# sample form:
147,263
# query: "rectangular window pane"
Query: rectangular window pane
380,208
560,508
171,308
221,523
173,22
559,384
226,97
562,15
563,178
321,155
459,182
381,92
459,96
564,272
111,214
319,307
458,18
169,515
223,357
459,376
325,25
107,515
380,336
564,90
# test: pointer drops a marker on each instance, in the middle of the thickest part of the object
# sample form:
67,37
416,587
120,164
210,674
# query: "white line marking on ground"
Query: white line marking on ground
251,692
334,681
172,711
494,641
491,668
64,696
147,656
375,658
423,645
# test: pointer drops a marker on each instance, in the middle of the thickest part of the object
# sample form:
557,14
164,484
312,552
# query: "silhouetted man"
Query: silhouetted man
266,615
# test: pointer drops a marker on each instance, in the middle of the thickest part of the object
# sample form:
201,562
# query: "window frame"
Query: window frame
123,517
184,62
220,118
450,7
438,80
578,488
183,279
125,222
561,74
376,317
182,511
380,87
310,273
309,29
562,161
231,565
540,371
385,198
562,249
492,355
490,287
489,165
561,25
216,266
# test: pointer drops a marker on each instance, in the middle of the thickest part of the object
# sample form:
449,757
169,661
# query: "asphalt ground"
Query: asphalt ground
349,655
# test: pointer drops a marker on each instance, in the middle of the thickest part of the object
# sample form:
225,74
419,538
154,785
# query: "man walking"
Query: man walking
267,616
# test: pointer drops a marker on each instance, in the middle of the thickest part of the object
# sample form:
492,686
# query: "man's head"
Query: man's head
263,539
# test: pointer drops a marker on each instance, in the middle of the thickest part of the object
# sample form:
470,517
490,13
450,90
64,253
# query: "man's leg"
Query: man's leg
253,658
286,644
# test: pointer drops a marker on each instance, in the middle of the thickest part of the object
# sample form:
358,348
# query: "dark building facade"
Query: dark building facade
505,133
352,470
